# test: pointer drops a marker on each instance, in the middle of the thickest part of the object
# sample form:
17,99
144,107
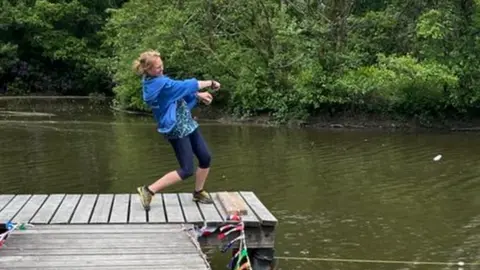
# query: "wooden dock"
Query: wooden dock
113,231
128,246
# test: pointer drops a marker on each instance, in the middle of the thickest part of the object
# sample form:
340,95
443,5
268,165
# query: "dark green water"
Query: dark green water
337,194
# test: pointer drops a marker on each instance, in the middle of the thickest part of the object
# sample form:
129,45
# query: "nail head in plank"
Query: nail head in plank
4,199
13,207
84,209
47,210
190,209
66,209
264,215
120,208
157,211
232,203
32,206
137,212
102,208
172,207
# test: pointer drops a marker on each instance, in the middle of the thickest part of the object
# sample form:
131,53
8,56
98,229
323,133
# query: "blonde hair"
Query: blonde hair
144,62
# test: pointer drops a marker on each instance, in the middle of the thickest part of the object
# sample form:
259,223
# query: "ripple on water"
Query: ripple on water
336,194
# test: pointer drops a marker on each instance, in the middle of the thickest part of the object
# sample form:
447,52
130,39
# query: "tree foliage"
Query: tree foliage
53,46
290,58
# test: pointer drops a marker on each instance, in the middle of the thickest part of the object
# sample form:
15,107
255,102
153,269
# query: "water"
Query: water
337,194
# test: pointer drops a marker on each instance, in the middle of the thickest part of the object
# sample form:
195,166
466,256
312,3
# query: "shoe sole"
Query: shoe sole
140,194
201,201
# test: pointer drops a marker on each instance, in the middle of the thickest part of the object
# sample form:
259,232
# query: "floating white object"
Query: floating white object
437,158
461,263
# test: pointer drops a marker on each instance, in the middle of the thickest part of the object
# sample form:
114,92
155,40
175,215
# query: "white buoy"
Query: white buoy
461,263
437,158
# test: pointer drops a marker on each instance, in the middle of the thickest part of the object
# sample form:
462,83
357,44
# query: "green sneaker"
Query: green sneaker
145,197
202,197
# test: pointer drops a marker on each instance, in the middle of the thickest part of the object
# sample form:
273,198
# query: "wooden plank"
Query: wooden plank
101,213
256,237
35,248
84,209
210,213
150,264
127,267
190,209
173,209
121,203
29,210
4,200
250,219
137,212
264,215
13,207
47,210
10,251
110,228
157,211
93,261
65,211
89,259
117,239
106,231
232,203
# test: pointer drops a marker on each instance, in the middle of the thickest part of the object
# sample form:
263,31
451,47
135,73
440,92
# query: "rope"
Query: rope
10,227
233,223
375,261
188,232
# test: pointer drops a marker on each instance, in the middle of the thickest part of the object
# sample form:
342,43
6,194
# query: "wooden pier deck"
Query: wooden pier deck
127,246
113,231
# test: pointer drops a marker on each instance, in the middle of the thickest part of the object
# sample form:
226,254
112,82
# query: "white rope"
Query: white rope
375,261
190,233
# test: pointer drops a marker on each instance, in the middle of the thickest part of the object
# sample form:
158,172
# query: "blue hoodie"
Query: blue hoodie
162,93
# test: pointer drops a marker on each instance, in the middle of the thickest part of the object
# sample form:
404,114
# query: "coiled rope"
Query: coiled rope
376,261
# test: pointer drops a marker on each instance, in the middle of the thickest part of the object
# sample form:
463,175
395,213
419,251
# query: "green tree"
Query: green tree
52,46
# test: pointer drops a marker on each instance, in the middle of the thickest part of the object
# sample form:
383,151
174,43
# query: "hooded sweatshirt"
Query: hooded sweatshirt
161,94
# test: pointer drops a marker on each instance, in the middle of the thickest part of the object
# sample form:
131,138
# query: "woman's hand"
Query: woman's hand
205,97
215,85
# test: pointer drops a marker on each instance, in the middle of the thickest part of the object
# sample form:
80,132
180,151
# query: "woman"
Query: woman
171,102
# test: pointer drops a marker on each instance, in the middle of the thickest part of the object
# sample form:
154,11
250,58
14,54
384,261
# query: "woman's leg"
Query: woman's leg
184,155
201,151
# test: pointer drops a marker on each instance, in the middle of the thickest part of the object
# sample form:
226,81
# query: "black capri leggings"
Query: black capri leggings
185,148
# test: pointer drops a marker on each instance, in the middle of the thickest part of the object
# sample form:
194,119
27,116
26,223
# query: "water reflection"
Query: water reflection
338,194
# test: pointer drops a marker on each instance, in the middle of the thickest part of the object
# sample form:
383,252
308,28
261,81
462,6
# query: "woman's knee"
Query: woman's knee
204,160
186,171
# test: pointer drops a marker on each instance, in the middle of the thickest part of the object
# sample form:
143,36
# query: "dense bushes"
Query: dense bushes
292,58
53,47
287,58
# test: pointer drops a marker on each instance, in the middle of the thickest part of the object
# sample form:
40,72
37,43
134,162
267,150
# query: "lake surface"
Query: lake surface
337,194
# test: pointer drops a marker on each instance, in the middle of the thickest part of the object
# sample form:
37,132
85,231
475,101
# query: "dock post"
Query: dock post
262,258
